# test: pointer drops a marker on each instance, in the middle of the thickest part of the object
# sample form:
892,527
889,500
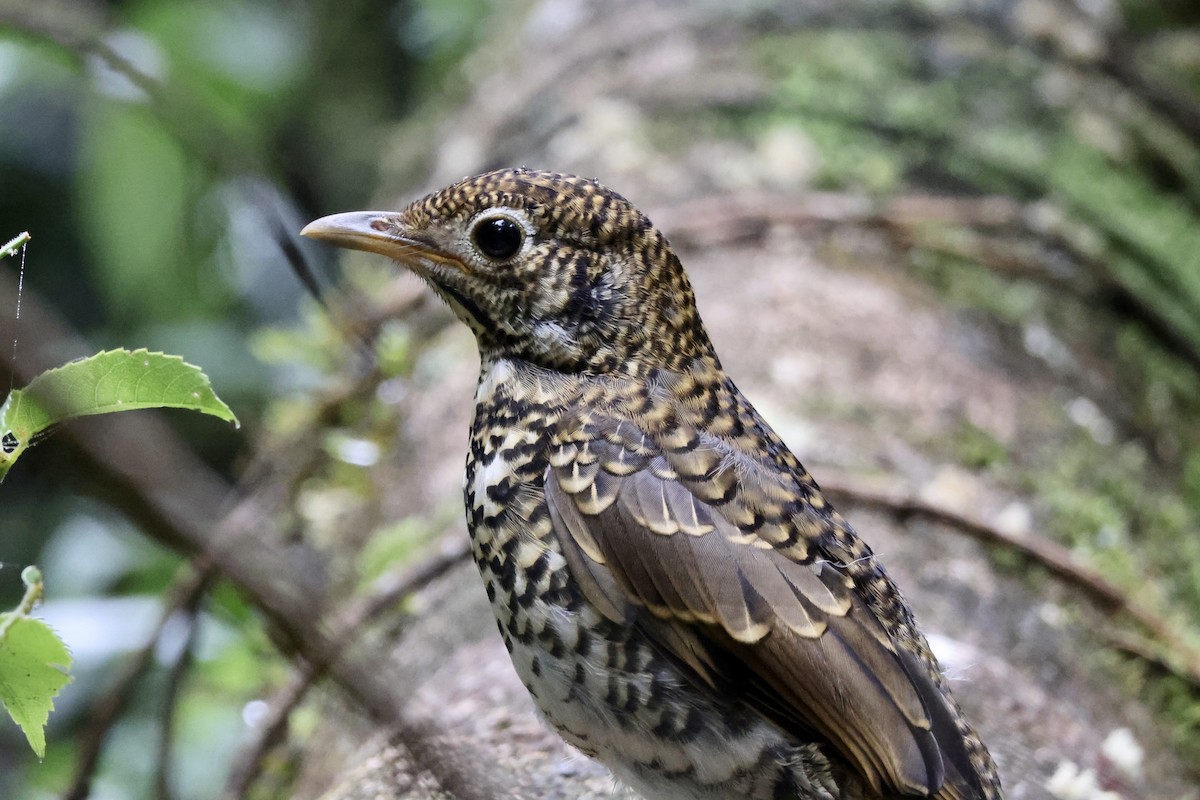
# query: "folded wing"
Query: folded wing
811,655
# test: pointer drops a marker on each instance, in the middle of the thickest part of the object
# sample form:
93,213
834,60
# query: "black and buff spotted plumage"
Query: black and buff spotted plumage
676,594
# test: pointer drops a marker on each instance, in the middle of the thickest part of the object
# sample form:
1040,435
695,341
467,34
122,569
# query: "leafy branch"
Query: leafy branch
114,380
34,664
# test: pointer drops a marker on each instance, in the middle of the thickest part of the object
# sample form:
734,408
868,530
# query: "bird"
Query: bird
674,591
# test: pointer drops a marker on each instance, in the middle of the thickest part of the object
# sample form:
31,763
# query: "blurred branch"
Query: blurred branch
729,217
272,730
67,22
175,680
494,121
1181,658
390,589
79,29
191,583
720,219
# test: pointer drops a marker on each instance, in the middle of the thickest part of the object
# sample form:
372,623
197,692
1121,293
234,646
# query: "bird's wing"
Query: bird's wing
809,651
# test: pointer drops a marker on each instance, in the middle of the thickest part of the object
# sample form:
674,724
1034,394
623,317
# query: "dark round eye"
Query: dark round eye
498,238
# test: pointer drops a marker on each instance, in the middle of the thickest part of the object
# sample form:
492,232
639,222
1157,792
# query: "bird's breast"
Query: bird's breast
605,685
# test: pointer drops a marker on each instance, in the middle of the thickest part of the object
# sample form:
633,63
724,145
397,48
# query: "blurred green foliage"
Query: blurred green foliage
163,154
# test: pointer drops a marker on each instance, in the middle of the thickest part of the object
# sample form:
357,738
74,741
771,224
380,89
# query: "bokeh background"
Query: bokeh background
947,246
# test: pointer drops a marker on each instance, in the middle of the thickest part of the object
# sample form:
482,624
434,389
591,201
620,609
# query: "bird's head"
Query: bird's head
552,269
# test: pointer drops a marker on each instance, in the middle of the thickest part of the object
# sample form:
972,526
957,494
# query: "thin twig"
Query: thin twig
175,681
14,243
190,583
392,587
728,217
1180,656
271,732
1137,646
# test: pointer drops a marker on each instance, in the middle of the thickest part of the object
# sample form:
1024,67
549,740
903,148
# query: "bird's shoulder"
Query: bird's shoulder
697,430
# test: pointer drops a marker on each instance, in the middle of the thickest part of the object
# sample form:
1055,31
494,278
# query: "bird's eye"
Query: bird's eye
498,238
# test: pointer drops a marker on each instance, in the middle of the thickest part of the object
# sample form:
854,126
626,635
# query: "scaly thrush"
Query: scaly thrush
674,591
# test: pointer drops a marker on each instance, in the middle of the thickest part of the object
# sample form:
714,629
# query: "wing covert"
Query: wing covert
640,540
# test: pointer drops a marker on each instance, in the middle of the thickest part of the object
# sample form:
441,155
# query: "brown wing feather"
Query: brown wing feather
807,641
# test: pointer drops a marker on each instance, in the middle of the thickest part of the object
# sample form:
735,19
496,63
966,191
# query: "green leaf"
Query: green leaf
115,380
33,665
33,668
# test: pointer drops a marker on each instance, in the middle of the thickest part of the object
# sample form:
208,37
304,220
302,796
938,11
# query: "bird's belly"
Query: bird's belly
609,692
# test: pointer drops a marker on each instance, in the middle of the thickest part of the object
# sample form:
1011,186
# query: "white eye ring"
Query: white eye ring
499,234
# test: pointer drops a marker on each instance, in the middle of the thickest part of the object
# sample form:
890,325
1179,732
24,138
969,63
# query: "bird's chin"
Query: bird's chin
463,307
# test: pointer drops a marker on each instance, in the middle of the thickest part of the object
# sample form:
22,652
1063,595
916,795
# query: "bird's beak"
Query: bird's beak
372,231
357,230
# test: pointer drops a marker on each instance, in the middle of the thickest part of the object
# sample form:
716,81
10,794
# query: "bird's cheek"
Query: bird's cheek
545,305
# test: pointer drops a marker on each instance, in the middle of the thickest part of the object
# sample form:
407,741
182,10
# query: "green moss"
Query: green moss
393,349
978,449
1154,234
1181,709
861,57
882,92
851,158
1112,507
1191,478
1081,515
969,284
1163,392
